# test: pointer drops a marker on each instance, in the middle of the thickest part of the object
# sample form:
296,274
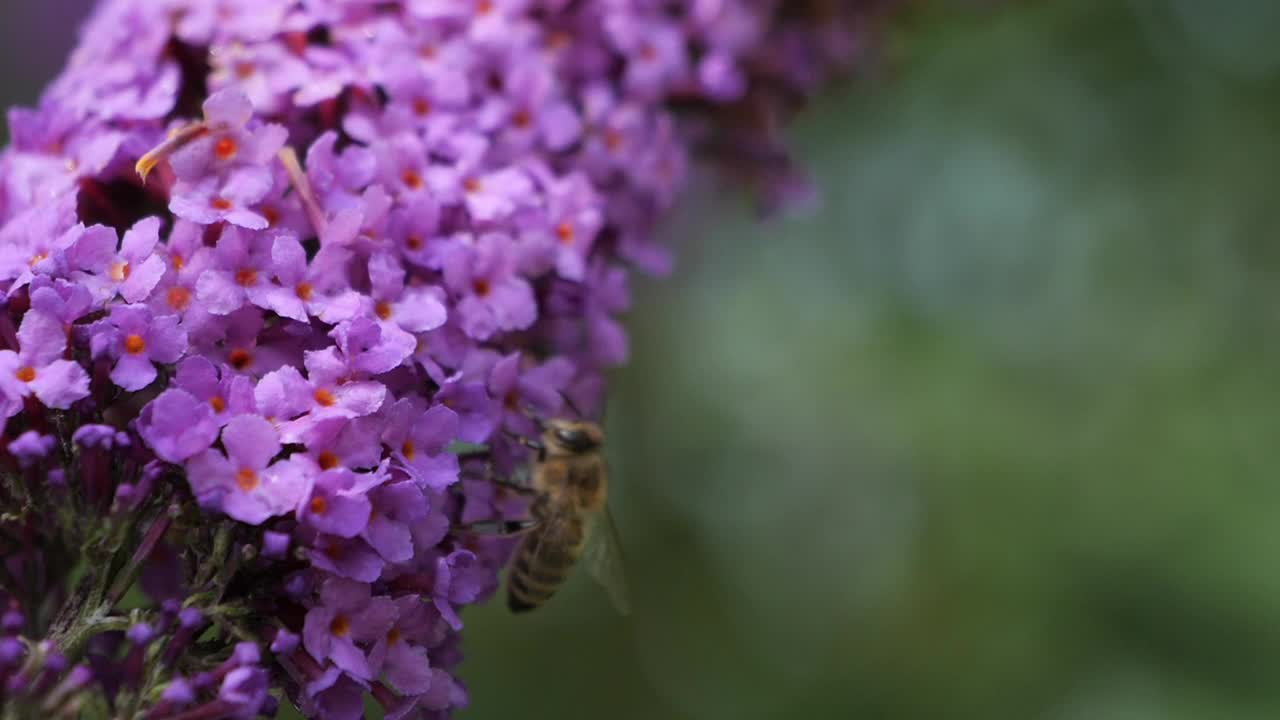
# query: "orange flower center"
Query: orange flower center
221,204
481,287
484,7
472,185
328,460
421,107
26,374
240,358
340,626
247,479
247,277
408,450
383,310
217,403
393,636
245,70
522,119
272,215
134,344
120,271
565,232
413,242
412,180
226,148
318,505
177,260
325,397
178,297
304,291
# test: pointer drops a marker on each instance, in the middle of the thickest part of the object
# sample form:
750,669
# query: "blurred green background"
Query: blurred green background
991,434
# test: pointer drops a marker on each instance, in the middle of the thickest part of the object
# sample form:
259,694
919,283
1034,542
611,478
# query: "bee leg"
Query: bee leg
497,528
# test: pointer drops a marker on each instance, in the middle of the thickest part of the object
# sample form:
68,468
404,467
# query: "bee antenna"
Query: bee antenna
531,444
572,406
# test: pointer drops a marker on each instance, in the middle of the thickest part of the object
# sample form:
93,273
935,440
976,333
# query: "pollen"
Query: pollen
481,287
26,374
328,460
413,242
226,149
272,215
304,291
37,258
247,480
421,107
340,626
383,310
408,450
221,204
393,636
178,297
318,505
240,359
134,344
217,403
472,185
177,261
120,271
324,397
246,277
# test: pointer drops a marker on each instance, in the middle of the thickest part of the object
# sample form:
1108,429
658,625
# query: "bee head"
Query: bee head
571,437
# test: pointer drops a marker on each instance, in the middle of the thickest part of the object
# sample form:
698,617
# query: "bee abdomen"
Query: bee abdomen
533,582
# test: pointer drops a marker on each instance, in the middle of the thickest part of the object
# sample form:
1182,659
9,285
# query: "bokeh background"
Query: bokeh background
992,433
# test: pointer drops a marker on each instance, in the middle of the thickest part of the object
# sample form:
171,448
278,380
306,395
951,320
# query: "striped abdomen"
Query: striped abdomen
543,561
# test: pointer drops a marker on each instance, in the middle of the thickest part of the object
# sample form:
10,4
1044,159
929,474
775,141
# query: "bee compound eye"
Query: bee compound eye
574,439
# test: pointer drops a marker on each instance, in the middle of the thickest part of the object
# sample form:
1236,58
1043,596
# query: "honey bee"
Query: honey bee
571,519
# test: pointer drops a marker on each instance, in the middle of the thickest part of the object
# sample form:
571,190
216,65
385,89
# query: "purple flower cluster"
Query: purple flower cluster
267,265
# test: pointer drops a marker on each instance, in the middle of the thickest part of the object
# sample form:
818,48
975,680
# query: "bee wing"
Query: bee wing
604,561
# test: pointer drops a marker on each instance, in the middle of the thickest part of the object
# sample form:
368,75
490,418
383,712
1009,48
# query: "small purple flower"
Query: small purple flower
133,271
492,298
244,483
460,578
346,618
338,504
537,390
224,199
31,447
38,368
418,439
396,508
353,558
244,692
407,666
241,272
229,144
137,340
177,426
368,349
227,393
